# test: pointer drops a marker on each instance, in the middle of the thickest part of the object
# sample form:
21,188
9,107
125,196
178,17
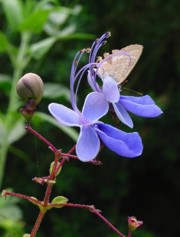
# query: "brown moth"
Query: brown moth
120,63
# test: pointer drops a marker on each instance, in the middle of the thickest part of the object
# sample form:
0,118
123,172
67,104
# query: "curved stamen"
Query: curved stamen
96,45
73,77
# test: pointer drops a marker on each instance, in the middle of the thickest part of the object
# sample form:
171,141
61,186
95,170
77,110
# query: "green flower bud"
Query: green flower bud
30,86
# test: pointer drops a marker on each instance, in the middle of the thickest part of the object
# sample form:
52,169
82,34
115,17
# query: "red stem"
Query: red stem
109,223
31,130
93,210
37,223
51,178
19,195
72,149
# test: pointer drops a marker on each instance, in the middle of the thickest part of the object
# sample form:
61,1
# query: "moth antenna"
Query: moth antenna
138,93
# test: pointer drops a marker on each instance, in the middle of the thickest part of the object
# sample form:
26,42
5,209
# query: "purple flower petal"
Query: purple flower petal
122,114
142,106
110,90
88,144
124,144
95,106
64,115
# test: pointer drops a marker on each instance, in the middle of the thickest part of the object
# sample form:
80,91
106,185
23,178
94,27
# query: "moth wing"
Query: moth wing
120,63
134,51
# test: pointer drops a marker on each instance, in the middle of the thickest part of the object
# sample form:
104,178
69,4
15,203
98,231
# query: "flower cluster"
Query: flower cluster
105,76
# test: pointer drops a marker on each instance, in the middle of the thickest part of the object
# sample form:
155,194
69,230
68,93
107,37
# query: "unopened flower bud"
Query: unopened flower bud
30,86
133,223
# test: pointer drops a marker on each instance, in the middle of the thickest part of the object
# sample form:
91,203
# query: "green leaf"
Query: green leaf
59,17
56,19
17,131
55,90
66,36
51,167
45,117
2,128
13,12
59,200
5,83
35,21
7,47
9,209
4,44
40,48
10,212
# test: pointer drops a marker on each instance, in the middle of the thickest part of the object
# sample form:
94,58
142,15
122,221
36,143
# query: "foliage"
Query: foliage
10,218
29,32
147,187
20,17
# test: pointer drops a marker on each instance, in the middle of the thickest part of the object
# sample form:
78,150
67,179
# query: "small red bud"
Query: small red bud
133,223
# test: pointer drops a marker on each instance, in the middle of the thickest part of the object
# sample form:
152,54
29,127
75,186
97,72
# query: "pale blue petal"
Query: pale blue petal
142,106
64,115
122,143
95,107
122,114
88,144
91,80
110,89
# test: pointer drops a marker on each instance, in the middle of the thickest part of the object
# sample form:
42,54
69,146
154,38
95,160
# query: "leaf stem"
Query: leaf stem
12,106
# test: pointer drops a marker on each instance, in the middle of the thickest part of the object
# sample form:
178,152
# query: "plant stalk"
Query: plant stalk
21,63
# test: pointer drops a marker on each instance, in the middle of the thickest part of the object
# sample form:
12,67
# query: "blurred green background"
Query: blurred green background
147,187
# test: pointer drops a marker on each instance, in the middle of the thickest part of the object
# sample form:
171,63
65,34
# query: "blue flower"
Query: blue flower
142,106
92,131
113,70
